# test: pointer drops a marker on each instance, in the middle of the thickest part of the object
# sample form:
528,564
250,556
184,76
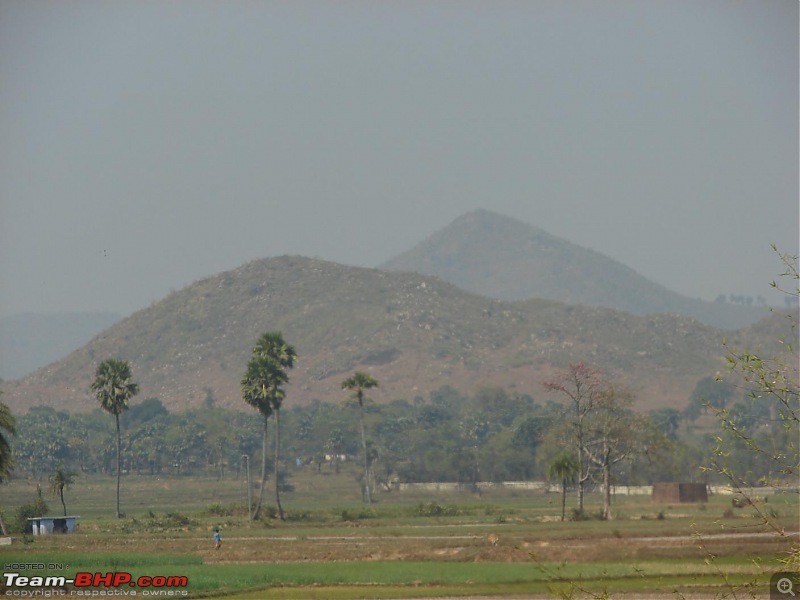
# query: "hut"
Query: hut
48,525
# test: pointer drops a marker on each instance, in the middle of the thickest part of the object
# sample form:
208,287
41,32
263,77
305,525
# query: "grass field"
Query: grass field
501,543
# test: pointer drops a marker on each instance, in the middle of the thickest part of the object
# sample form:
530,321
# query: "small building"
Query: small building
48,525
680,492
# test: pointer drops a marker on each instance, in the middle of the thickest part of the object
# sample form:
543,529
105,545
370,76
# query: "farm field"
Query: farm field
500,543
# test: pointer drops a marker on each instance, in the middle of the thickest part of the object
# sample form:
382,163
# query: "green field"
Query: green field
501,543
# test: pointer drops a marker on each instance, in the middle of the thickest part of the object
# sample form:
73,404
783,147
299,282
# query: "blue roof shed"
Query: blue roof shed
48,525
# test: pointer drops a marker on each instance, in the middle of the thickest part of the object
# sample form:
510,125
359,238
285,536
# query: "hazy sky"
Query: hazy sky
148,144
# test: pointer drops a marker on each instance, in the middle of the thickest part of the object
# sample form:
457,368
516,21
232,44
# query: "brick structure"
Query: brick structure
680,492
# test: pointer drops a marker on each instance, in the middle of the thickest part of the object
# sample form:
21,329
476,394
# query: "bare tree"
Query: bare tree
583,386
614,433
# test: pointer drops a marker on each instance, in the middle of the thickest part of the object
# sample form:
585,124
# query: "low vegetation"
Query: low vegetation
408,544
492,435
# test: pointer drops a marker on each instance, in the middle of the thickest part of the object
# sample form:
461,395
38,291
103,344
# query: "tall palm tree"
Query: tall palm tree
564,468
113,389
61,480
277,399
273,345
261,389
360,382
7,428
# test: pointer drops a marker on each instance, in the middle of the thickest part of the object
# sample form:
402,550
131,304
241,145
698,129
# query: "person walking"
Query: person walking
217,539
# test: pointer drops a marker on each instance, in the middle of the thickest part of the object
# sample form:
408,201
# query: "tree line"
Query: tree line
585,434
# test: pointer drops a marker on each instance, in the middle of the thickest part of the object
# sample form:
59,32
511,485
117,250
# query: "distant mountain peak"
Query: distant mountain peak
494,255
482,217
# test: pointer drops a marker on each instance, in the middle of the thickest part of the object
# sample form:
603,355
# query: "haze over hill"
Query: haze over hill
500,257
482,252
29,341
413,332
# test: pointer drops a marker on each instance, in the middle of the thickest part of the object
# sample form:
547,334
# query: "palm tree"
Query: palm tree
277,399
60,481
261,390
273,345
7,424
564,468
113,389
360,382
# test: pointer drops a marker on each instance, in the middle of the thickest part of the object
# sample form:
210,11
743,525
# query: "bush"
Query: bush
225,510
435,510
364,513
38,508
577,515
167,522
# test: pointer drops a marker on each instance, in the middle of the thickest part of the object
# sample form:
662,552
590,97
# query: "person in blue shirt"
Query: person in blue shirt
217,539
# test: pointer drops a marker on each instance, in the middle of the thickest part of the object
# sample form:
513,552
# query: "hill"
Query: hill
499,257
30,341
412,332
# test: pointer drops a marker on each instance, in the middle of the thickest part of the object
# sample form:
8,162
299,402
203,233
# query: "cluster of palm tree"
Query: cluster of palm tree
262,389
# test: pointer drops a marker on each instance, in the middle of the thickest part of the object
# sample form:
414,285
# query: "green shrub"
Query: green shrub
225,510
153,522
431,509
578,515
364,513
38,508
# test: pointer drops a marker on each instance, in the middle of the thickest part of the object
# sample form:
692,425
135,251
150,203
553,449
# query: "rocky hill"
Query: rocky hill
499,257
414,333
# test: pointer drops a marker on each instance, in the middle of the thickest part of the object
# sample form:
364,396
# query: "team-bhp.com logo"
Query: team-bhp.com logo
91,584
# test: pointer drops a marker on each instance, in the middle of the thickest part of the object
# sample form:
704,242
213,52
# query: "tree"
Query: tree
709,392
334,445
261,389
7,428
667,420
257,391
360,382
113,389
771,379
273,346
583,386
528,434
611,436
564,468
61,480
